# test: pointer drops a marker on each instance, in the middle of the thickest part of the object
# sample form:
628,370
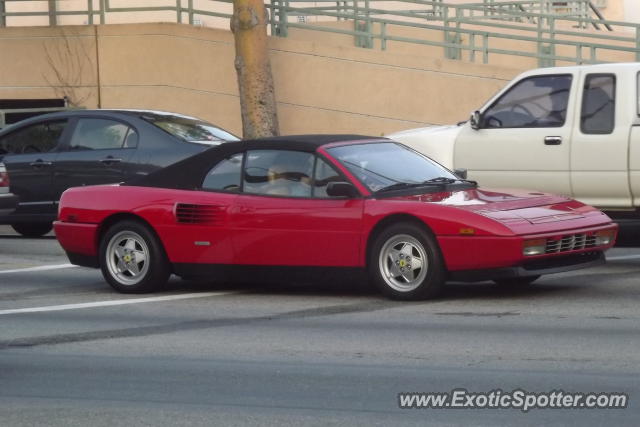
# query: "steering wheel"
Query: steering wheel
523,108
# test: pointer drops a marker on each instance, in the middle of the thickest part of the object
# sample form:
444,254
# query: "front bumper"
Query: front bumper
557,264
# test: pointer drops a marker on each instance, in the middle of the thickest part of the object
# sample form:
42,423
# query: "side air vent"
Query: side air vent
187,213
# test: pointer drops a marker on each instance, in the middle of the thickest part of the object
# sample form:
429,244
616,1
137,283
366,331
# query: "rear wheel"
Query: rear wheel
32,229
516,281
406,264
132,258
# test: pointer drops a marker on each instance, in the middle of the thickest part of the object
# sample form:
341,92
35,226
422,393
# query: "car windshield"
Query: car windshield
387,165
190,129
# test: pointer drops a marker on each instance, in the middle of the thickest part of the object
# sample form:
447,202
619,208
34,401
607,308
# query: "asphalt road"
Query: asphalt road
73,352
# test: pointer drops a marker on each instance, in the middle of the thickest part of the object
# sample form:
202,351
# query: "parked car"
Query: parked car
311,203
45,155
567,130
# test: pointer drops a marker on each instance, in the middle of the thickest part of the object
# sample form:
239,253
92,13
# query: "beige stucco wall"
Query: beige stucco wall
319,87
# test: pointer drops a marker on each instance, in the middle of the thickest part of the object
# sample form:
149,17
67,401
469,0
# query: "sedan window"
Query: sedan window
38,138
99,134
189,129
226,175
278,173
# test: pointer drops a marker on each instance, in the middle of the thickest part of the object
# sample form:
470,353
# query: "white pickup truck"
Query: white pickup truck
566,130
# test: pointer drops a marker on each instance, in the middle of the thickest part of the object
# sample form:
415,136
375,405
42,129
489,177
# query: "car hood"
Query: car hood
436,142
519,210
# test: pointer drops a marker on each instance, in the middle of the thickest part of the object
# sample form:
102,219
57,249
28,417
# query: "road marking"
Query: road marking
40,268
113,302
621,257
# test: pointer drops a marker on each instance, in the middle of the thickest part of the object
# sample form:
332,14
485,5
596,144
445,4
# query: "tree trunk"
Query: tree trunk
255,83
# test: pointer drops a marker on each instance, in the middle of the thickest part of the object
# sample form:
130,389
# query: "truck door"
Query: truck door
600,142
523,136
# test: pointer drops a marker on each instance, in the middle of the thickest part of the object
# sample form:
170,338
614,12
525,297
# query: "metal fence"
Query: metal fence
569,31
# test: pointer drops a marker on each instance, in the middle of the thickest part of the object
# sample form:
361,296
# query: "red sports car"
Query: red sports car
312,203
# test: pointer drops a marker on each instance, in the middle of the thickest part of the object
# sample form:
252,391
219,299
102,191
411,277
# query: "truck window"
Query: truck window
534,102
598,104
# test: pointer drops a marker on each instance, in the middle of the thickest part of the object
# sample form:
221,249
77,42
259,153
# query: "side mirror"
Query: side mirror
475,120
460,173
341,189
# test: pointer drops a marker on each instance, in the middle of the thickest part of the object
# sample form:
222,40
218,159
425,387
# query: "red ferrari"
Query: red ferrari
310,203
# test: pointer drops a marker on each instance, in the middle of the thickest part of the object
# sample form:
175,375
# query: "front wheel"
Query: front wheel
32,229
405,263
132,258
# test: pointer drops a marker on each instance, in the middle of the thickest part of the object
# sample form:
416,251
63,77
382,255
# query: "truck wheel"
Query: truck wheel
132,258
405,263
32,229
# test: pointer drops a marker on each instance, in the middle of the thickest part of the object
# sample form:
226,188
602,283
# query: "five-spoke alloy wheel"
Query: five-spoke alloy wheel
132,259
405,262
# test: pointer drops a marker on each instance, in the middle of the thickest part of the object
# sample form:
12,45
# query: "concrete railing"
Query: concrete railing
565,32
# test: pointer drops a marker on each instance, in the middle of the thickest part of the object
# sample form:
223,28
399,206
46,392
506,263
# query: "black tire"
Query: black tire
516,281
32,229
427,284
152,274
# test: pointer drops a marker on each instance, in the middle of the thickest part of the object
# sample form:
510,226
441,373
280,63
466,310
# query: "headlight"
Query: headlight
534,247
605,237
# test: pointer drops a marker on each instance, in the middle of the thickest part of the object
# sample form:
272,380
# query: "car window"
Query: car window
131,140
539,101
189,129
381,164
278,173
37,138
323,175
598,104
226,175
98,134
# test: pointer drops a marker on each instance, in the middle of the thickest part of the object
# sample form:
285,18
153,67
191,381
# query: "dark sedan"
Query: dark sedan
43,156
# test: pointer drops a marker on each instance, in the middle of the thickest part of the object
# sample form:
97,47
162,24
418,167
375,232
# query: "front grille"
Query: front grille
187,213
570,242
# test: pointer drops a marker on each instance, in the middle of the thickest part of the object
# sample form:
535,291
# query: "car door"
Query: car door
98,152
523,140
30,157
600,143
284,216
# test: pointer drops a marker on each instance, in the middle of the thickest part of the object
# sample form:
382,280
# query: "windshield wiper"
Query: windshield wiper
447,180
404,185
440,181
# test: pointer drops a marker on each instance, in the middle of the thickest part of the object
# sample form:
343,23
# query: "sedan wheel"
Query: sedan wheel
406,264
32,229
132,259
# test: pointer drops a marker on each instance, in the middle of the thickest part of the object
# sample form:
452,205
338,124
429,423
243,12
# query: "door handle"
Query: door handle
39,163
552,140
110,160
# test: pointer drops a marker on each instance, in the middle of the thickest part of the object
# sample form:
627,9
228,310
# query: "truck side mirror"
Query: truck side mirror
460,173
475,120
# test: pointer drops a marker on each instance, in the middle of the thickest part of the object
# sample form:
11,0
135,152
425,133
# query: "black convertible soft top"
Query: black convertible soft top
189,173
